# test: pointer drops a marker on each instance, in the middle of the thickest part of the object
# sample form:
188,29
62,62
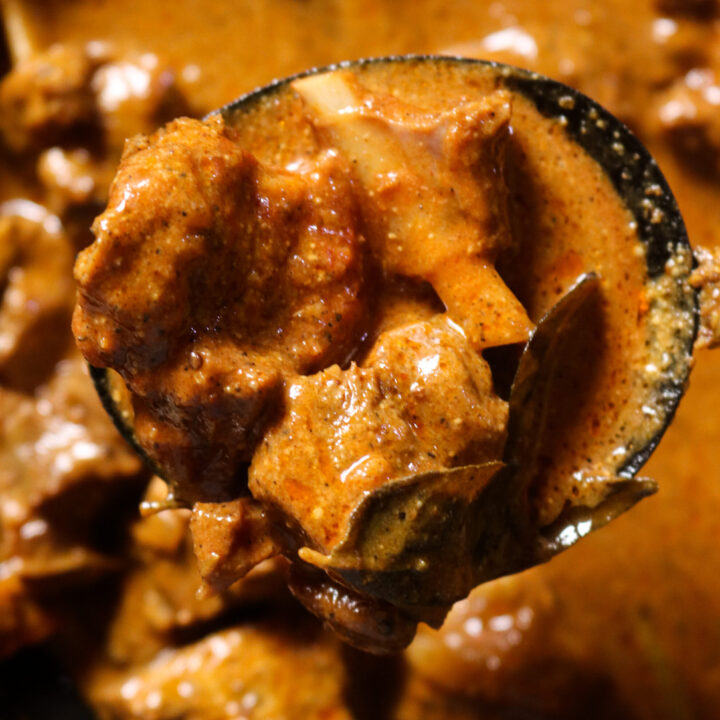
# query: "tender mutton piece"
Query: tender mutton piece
434,196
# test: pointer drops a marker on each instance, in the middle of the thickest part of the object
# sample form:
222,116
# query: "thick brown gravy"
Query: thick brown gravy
631,615
244,282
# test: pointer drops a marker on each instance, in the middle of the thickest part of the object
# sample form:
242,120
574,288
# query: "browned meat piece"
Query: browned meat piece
73,107
278,669
36,293
493,641
432,193
424,401
210,276
74,178
62,464
43,99
231,538
505,646
447,393
159,598
134,93
55,443
686,115
62,467
71,94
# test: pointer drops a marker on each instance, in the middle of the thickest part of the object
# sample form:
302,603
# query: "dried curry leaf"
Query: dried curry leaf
537,374
537,382
412,542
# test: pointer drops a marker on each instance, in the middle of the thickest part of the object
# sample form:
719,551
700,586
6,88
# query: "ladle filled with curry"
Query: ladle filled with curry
626,623
414,323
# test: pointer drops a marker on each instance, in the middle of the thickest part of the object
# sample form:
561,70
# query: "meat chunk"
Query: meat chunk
134,93
423,401
89,93
58,438
498,636
74,178
69,110
231,538
447,393
686,116
65,474
56,448
211,275
489,651
264,671
45,98
432,192
62,463
37,293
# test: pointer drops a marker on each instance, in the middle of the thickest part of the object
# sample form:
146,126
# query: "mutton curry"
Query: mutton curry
300,320
625,624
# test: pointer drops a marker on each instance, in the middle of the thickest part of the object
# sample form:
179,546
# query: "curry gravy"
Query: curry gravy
634,608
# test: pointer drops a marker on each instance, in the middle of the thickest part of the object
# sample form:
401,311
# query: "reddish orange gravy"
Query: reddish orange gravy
637,603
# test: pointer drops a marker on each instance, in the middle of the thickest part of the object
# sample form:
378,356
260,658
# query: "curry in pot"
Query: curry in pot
550,641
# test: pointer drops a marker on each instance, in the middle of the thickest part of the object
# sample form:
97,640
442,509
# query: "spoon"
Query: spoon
575,131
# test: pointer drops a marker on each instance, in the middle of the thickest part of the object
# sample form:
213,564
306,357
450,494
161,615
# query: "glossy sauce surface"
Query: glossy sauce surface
636,605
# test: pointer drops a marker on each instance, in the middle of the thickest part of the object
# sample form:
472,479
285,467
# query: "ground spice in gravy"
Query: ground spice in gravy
625,624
